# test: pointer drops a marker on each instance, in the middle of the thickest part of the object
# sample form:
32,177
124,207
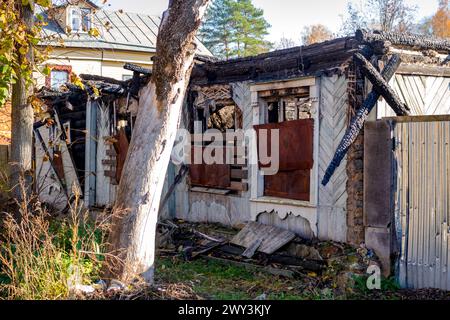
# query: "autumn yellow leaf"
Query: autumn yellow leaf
46,71
94,32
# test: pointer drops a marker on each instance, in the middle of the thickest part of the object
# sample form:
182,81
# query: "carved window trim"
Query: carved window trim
56,67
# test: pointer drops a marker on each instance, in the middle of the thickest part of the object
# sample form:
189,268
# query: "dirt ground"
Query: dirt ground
218,275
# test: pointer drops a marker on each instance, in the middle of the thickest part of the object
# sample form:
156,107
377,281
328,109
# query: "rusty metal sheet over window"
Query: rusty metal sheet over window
296,159
121,147
296,143
288,184
210,175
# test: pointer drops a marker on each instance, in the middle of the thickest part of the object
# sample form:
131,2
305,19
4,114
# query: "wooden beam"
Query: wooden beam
404,39
109,162
358,120
238,186
284,84
239,174
430,118
381,86
136,68
422,70
93,77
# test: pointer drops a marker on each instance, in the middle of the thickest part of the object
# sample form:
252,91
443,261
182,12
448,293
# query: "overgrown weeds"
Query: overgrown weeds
43,257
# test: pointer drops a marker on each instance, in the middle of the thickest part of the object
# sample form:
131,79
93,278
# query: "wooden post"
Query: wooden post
90,153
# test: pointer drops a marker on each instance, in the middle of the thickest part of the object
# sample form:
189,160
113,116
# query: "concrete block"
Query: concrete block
377,174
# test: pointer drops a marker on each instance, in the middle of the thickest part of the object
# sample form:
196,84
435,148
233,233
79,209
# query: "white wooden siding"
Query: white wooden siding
425,95
105,190
333,122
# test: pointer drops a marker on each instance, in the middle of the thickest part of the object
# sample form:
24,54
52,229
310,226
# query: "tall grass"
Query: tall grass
43,257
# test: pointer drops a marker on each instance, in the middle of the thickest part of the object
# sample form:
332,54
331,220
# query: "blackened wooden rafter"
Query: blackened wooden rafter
358,120
381,86
404,39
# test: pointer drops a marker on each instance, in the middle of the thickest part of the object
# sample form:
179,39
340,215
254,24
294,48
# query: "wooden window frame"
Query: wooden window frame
56,67
259,112
82,16
238,174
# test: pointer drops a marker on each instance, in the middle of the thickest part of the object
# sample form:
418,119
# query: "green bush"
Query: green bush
43,257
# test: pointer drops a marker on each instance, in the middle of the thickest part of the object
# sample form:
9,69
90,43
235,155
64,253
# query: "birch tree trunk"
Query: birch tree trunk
133,235
22,118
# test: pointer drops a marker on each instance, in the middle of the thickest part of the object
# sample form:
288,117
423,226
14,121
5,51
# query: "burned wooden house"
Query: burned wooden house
323,188
82,143
334,180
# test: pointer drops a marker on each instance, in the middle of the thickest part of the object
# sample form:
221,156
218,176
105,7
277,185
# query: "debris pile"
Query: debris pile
266,249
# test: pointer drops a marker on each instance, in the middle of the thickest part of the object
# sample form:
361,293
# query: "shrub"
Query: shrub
42,257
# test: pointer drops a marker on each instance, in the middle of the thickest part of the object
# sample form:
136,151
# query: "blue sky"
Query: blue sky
287,17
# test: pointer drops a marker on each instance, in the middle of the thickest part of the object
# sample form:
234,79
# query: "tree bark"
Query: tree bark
22,118
358,120
133,236
381,86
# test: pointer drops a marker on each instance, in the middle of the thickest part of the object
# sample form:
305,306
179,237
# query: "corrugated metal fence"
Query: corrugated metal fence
422,201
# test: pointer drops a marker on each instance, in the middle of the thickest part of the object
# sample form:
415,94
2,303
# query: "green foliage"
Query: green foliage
387,284
44,258
235,28
217,280
16,41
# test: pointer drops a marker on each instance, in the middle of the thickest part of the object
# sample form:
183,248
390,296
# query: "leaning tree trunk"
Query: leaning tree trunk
22,117
133,235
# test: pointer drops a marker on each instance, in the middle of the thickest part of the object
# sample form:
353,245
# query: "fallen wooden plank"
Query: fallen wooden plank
251,250
209,248
208,237
232,250
273,238
306,264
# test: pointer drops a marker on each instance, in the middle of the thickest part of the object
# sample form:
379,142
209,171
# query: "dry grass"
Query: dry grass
43,257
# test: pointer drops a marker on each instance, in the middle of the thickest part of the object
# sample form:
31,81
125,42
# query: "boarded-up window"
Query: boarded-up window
214,108
209,175
295,162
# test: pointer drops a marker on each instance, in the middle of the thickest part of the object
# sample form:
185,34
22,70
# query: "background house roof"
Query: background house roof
118,31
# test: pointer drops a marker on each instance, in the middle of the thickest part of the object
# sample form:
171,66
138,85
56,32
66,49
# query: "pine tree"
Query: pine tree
215,32
250,29
235,28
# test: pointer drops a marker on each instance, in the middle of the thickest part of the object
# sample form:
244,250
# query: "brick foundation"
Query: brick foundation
355,189
355,164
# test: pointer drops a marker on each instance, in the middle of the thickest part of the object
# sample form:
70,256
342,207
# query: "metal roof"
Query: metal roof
118,31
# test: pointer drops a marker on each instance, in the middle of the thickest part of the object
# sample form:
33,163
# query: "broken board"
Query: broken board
272,238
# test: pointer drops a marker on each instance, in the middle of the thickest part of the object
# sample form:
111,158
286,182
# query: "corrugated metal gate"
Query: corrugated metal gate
422,201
